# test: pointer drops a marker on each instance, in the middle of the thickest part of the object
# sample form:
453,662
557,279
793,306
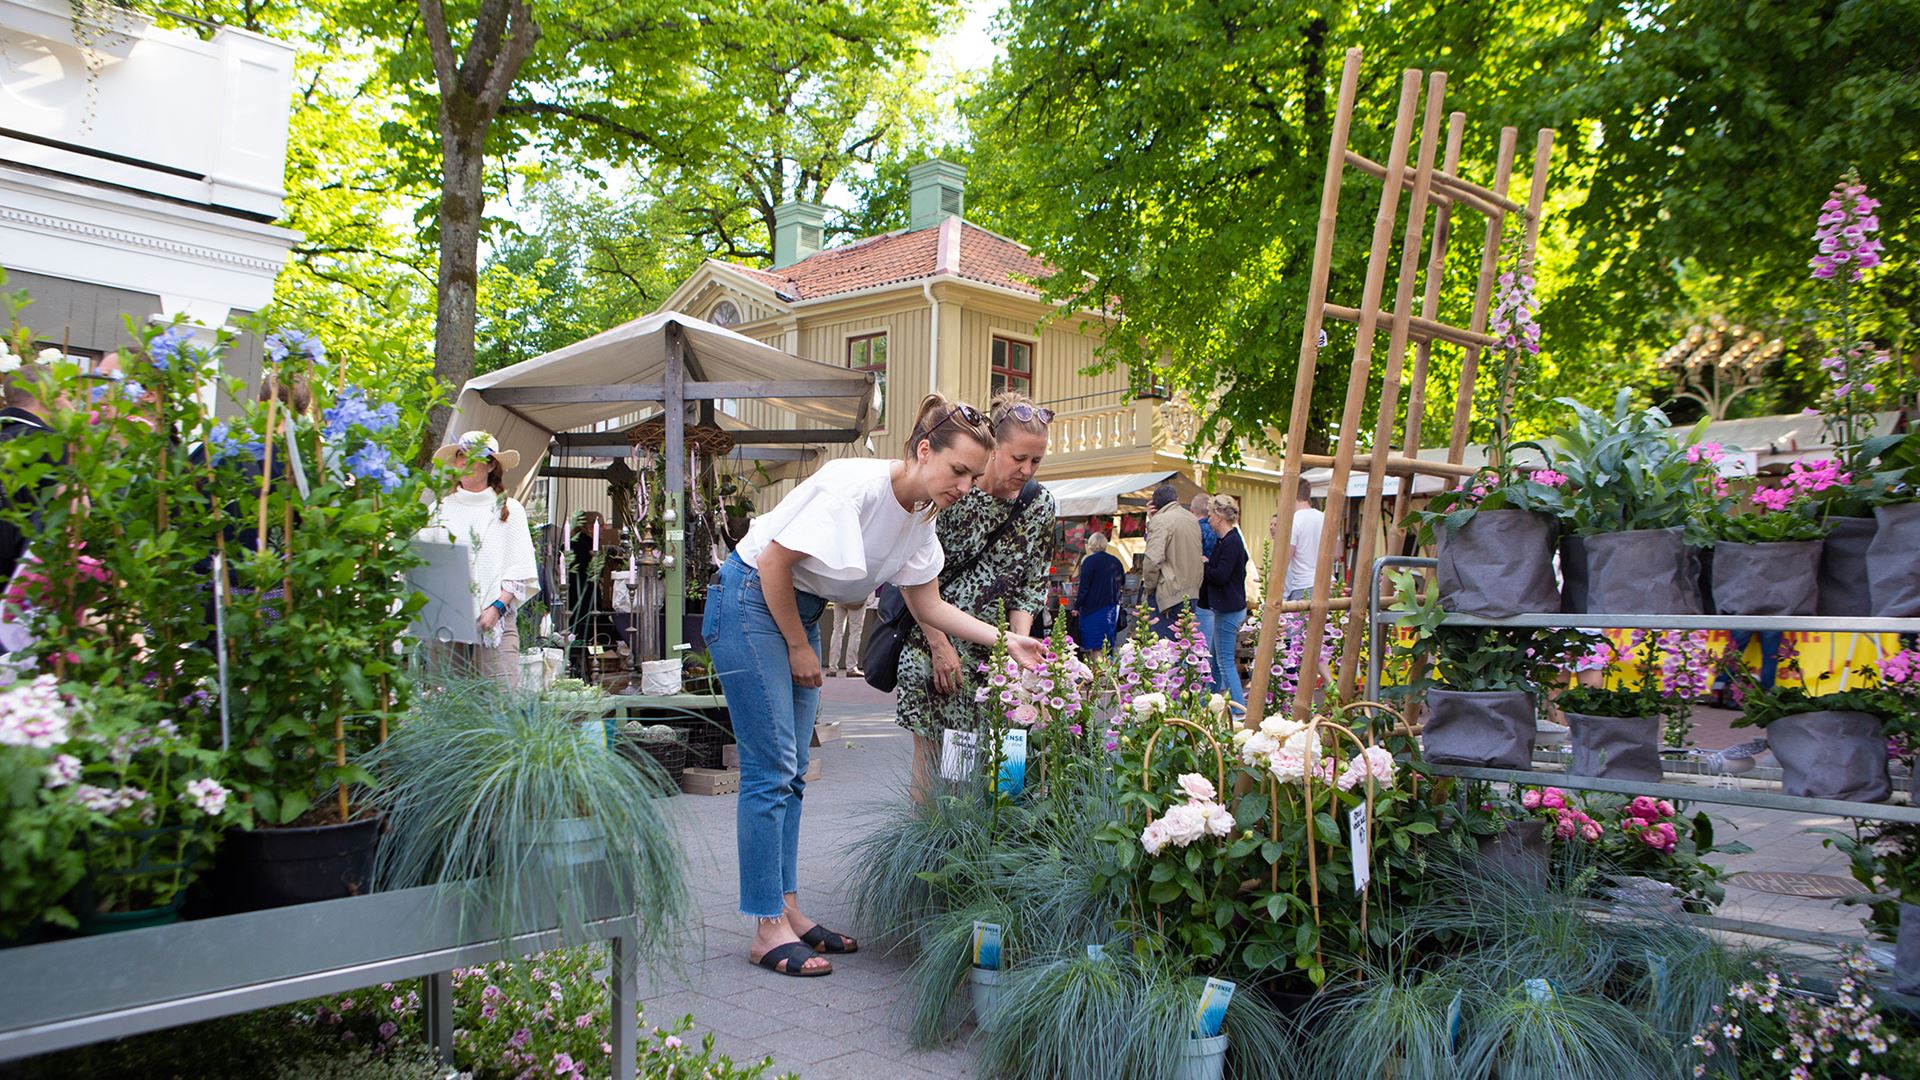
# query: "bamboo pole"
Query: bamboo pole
1333,526
1429,310
1301,415
1418,327
1449,188
1395,465
1482,292
1389,408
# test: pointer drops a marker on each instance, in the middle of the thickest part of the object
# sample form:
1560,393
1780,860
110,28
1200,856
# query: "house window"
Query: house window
868,352
1012,366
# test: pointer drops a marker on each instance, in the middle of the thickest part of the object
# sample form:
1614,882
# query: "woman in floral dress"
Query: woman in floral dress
938,676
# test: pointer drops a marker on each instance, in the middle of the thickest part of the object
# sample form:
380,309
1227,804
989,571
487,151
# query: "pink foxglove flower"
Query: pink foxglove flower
1845,246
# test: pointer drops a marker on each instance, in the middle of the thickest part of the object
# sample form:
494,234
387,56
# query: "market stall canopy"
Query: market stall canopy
615,373
1099,496
1779,441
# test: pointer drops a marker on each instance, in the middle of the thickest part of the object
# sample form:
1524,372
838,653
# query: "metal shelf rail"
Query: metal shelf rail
1694,792
69,993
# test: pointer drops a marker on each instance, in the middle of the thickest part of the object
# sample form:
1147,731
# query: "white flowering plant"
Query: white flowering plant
40,861
1771,1027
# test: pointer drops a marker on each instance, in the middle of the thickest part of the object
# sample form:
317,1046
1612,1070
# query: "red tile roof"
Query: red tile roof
894,257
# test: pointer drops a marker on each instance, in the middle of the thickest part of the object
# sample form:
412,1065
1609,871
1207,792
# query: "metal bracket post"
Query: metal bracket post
436,1003
624,990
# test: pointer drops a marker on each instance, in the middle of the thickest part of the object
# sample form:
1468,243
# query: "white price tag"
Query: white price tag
959,755
675,536
1357,843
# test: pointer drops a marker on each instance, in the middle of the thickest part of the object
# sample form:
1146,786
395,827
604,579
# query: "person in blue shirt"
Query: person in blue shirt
1096,596
1201,505
1223,590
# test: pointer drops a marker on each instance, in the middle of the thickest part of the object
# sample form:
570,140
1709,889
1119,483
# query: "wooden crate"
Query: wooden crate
698,781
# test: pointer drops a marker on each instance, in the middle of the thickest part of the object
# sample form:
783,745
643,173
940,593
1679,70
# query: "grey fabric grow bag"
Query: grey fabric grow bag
1766,579
1893,562
1500,563
1618,747
1643,572
1492,729
1843,568
1831,755
1906,951
1573,574
1517,853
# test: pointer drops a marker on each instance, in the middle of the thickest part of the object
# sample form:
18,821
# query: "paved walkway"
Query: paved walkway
848,1025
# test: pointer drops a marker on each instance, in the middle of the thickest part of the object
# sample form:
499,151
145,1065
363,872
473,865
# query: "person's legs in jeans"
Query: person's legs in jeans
803,710
1203,618
1167,622
1770,641
1225,640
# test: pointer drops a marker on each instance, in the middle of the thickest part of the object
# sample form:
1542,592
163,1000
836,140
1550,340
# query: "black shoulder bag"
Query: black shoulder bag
880,660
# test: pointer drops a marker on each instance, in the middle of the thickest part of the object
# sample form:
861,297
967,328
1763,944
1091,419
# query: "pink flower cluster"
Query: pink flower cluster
1201,815
1845,242
1901,671
1648,819
34,715
1852,372
1569,822
1549,478
1706,452
1513,310
1034,697
1803,478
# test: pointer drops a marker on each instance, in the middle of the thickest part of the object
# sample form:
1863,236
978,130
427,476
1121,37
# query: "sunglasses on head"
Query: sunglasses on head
964,411
1027,414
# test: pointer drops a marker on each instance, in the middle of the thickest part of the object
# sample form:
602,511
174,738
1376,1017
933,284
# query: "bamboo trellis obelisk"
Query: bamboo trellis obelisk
1426,184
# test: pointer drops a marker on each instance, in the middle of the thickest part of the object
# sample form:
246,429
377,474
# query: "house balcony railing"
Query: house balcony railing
1142,427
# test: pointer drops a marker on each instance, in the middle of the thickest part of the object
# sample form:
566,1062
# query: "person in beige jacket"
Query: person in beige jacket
1174,564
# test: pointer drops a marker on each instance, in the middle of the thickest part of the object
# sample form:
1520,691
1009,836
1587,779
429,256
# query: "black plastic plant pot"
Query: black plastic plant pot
1893,562
1643,572
1491,729
1831,755
270,868
1843,568
1616,747
1499,564
1767,579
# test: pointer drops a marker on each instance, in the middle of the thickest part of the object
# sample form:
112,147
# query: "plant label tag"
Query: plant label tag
986,945
1538,990
1357,843
1096,952
1212,1013
1657,975
1455,1016
1013,763
959,755
1323,339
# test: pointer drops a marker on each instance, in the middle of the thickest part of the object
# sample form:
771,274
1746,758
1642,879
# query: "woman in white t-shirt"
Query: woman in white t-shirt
853,526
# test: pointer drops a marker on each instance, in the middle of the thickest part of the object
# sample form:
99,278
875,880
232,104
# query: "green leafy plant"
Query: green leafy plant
1884,857
504,803
1627,469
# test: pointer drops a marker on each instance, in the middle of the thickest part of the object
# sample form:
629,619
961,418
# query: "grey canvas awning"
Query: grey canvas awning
1099,496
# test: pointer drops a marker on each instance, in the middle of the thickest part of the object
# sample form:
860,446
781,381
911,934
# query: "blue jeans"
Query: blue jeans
1770,641
1099,628
1225,638
1203,618
772,722
1167,622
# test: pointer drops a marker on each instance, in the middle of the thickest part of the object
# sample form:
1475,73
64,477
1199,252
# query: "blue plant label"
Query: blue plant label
1013,763
986,945
1096,952
1357,843
1657,973
1455,1017
959,755
1212,1013
1538,990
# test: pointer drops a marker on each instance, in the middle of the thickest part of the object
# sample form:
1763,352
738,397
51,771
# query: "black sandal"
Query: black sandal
824,940
796,956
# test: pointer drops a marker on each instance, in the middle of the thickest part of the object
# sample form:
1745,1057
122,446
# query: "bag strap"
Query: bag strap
1027,495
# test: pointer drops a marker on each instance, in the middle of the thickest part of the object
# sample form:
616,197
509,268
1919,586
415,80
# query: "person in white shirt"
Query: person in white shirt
478,513
1303,548
851,527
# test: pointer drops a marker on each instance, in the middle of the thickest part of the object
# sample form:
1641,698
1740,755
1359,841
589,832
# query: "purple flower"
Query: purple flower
168,345
223,443
389,1029
373,464
520,1038
351,410
284,343
1844,239
562,1064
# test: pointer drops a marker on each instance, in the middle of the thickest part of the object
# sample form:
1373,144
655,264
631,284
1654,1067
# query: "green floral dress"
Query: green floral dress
1014,571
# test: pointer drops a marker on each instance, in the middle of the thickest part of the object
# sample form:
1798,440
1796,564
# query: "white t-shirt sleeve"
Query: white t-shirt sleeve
824,527
925,563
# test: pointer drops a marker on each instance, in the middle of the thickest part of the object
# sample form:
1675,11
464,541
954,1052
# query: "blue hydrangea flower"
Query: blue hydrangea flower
163,349
284,343
223,444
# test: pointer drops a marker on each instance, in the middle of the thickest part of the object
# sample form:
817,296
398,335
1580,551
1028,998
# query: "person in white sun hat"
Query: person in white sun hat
478,512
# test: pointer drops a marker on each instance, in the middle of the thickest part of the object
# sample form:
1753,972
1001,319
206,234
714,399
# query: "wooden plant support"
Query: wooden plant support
1429,179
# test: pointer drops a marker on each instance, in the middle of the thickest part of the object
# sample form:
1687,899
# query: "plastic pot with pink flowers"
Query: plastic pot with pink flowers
1648,853
1767,546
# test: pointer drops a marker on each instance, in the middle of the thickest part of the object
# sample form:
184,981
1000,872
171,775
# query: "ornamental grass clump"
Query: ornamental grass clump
520,817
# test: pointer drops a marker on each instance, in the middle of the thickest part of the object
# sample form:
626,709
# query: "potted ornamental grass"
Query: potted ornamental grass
1631,486
501,800
1766,557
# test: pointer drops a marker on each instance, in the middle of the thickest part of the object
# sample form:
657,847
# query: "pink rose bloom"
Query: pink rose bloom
1643,808
1666,808
1530,799
1197,787
1564,827
1219,822
1154,837
1553,799
1590,831
1024,715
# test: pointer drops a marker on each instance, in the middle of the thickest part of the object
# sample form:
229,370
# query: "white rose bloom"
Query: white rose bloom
1146,705
48,356
1219,821
1197,787
1154,837
1185,824
1217,705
